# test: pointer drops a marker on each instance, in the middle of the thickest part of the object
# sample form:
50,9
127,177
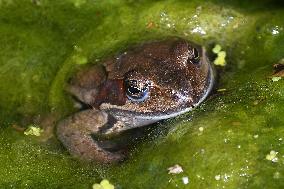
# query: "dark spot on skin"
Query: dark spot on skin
112,91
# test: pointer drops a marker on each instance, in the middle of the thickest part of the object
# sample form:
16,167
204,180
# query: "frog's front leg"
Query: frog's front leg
75,134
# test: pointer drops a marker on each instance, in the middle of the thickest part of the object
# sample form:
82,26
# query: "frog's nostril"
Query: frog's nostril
194,57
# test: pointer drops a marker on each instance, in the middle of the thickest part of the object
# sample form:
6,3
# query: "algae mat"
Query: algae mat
234,140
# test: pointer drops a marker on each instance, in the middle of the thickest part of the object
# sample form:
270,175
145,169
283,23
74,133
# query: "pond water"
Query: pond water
233,140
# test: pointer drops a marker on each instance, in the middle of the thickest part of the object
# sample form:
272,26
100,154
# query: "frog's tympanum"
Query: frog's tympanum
148,83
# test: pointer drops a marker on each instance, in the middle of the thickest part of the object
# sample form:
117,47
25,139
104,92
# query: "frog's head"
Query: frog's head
156,81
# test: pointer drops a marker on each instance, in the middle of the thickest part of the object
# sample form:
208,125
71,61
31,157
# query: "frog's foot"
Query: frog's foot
75,134
84,85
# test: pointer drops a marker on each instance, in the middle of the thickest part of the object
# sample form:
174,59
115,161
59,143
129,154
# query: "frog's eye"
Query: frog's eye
194,56
135,91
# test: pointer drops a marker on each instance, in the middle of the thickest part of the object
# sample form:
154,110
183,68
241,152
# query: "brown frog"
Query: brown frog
148,83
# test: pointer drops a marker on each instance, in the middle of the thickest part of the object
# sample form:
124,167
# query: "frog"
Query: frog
145,84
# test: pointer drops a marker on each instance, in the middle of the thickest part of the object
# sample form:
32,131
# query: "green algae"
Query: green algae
42,43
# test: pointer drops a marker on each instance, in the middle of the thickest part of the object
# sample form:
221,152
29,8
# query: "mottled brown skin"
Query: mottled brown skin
173,74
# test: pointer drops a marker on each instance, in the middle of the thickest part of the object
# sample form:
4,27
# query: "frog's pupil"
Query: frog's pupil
135,92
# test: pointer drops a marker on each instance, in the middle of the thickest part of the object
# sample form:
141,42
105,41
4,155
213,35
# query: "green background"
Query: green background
43,42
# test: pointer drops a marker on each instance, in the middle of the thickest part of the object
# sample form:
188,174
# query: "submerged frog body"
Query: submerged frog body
151,82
